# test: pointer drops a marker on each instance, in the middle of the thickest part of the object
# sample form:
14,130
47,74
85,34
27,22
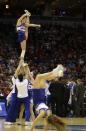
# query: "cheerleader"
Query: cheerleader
23,23
15,94
39,85
42,110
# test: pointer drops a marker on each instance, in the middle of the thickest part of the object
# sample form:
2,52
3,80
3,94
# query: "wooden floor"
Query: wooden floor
73,122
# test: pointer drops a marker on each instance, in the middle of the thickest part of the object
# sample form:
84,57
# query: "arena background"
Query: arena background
61,39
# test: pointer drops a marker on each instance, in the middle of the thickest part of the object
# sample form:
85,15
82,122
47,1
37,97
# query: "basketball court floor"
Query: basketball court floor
73,124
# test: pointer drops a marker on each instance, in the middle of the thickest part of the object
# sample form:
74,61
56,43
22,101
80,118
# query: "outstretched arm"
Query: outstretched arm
28,24
33,25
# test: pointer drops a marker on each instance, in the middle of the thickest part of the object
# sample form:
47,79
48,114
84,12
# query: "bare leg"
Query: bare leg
23,48
31,111
39,117
46,124
21,113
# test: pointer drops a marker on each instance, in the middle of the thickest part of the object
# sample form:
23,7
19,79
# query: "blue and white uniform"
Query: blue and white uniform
11,113
39,99
21,32
30,93
22,88
19,96
48,94
22,96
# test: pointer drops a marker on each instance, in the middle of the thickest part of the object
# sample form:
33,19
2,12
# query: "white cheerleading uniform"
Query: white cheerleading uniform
42,106
22,88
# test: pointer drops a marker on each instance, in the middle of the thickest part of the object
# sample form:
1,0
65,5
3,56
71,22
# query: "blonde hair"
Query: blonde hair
21,71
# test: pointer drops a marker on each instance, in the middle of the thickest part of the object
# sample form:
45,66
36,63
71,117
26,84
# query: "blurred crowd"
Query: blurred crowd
46,47
54,44
8,57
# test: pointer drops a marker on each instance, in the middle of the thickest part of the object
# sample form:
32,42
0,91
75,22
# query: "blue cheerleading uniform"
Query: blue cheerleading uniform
38,96
11,113
39,99
30,93
21,32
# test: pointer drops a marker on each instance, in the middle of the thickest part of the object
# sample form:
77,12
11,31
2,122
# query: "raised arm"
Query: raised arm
28,16
18,68
20,19
28,74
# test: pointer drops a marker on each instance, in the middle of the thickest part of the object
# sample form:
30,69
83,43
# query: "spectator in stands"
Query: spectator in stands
57,90
79,92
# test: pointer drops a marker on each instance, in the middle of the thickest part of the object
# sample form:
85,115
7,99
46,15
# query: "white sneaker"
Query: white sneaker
59,70
27,123
8,123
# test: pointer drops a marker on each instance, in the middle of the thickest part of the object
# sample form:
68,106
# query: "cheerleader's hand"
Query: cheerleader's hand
39,26
27,12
